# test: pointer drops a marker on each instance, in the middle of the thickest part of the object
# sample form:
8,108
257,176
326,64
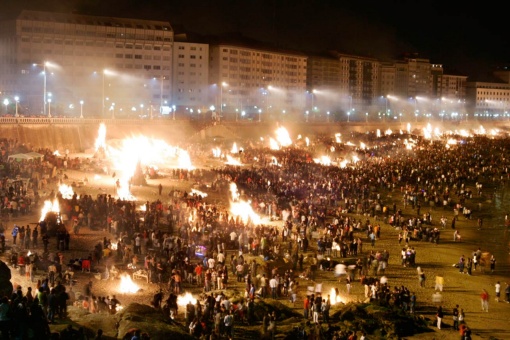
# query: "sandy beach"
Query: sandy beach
434,259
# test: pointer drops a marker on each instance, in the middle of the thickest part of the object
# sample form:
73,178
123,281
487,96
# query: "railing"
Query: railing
57,120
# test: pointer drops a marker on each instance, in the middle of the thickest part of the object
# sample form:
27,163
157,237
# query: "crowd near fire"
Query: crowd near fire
261,220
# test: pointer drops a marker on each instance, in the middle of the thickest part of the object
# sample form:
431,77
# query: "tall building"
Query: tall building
67,64
254,81
190,83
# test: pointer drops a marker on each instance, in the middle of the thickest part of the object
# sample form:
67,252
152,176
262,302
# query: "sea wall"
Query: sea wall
78,135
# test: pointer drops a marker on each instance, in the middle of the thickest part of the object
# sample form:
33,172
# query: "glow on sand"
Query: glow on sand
127,285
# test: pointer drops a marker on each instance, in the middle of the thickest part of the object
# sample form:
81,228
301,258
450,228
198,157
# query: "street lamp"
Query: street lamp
49,107
223,84
16,99
350,109
260,112
113,110
81,108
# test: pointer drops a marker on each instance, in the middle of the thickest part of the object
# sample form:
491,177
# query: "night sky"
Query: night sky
468,39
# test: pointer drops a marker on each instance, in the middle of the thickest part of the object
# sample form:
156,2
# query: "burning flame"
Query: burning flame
216,152
101,137
198,193
323,160
234,148
233,161
242,209
49,207
282,135
334,298
273,144
127,285
66,191
182,300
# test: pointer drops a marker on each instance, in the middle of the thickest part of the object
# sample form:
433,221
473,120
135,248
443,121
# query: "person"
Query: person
455,314
136,335
507,292
497,288
99,334
492,263
228,320
160,189
421,276
484,297
439,283
439,315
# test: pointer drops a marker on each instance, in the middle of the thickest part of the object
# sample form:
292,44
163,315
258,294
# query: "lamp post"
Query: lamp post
44,87
313,108
223,84
49,107
102,108
350,109
113,110
81,108
16,99
260,112
386,103
416,109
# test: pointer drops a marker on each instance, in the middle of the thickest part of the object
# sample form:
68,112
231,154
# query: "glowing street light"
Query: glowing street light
45,65
49,107
16,99
81,108
106,72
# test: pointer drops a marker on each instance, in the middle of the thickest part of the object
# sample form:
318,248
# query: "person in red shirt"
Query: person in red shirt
306,306
484,296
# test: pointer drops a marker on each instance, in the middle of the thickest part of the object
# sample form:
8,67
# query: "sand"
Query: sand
434,259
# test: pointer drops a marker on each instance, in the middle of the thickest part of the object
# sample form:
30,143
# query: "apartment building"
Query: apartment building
103,66
247,80
190,84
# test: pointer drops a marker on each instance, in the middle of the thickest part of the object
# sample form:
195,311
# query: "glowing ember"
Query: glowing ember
49,207
29,253
307,140
113,246
127,285
66,191
183,300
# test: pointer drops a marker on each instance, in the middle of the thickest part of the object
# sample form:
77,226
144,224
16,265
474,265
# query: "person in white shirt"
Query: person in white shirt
273,284
211,263
221,258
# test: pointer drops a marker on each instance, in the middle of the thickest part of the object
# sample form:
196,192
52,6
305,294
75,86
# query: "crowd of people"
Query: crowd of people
182,239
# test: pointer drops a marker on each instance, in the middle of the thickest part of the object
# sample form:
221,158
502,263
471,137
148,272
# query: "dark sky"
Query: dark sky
468,39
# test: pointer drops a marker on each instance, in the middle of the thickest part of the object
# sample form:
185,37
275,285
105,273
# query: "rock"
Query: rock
150,321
